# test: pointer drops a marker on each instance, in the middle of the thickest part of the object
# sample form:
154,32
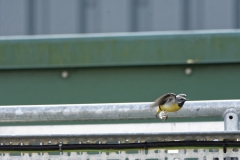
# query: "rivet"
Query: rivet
188,71
190,61
64,74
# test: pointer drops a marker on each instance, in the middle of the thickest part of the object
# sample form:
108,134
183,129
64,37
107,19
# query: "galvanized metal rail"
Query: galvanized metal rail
228,109
113,111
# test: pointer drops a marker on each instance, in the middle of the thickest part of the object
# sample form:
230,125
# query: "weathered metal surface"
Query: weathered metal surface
112,128
121,49
117,137
111,111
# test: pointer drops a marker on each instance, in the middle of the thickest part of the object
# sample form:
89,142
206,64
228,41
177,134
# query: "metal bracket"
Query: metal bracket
60,147
231,120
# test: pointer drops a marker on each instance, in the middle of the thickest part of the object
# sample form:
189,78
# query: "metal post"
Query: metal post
231,121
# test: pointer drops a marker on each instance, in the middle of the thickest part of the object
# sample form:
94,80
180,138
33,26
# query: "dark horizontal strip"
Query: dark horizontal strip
147,145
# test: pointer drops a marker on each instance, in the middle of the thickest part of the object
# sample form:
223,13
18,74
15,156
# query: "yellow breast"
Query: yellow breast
170,108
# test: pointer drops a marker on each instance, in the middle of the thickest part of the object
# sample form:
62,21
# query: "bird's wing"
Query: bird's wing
182,95
163,99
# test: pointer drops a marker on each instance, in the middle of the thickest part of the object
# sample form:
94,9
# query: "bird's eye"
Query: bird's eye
181,100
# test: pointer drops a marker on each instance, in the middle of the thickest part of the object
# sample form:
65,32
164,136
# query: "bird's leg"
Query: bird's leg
157,114
163,115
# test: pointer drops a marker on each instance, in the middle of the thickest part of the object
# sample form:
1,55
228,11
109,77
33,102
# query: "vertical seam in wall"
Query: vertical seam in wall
31,17
0,19
185,14
236,13
82,13
133,15
45,17
200,15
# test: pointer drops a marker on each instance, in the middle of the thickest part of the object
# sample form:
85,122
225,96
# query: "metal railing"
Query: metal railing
112,111
227,109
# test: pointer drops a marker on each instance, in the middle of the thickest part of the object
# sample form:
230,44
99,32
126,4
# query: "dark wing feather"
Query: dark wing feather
163,99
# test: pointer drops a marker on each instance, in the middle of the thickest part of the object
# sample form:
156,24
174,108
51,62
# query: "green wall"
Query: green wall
118,84
127,67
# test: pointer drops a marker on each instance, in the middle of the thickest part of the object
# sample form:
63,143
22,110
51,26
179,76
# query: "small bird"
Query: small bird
169,102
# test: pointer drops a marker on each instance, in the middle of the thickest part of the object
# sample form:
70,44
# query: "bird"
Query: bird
169,102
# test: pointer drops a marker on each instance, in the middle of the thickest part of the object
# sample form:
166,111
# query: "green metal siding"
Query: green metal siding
154,48
118,84
136,67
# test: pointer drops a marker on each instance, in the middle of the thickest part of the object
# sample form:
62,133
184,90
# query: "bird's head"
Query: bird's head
181,98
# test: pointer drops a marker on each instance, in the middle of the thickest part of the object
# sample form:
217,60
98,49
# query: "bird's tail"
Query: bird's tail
161,99
155,104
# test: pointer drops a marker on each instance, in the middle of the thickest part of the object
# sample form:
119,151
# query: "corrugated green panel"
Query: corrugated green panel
118,84
127,49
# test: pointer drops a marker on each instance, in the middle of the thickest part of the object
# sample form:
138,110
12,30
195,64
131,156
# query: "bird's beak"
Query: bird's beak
185,98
